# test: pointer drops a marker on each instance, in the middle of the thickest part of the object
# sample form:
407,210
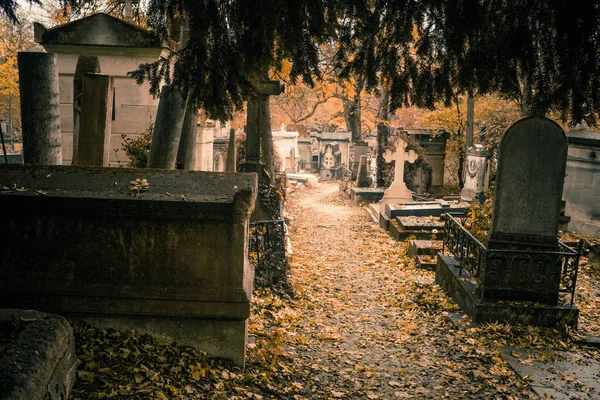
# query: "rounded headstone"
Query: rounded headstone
530,178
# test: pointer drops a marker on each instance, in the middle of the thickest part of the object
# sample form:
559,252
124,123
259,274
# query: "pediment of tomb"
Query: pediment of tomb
97,30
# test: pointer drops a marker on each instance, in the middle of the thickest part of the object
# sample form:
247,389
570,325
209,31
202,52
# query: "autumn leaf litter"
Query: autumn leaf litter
364,323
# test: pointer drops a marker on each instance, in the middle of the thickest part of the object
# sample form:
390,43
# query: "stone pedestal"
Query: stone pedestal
40,108
477,177
93,147
167,129
172,265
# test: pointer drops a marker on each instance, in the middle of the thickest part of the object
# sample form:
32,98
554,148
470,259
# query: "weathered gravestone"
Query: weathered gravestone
167,258
529,184
40,108
477,177
93,144
85,65
398,192
362,178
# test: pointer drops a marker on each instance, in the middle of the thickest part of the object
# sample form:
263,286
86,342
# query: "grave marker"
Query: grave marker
527,203
398,192
93,147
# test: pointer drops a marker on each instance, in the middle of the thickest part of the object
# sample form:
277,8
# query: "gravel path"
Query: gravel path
367,324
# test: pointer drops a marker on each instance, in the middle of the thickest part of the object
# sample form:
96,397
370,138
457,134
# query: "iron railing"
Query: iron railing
473,256
267,251
468,251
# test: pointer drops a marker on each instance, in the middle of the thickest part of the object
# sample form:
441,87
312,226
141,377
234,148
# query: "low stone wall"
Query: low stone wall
37,356
169,260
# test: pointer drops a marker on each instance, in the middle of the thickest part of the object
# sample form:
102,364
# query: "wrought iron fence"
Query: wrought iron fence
473,256
565,261
468,251
280,182
267,246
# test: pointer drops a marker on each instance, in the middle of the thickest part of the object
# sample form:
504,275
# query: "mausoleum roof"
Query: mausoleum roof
583,136
97,30
344,136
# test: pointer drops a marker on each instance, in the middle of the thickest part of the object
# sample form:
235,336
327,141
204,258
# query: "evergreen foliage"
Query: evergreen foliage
544,53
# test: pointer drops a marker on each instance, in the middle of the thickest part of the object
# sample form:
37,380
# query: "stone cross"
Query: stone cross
128,12
398,192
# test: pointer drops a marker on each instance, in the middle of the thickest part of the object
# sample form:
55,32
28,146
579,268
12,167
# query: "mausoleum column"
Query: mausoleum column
40,108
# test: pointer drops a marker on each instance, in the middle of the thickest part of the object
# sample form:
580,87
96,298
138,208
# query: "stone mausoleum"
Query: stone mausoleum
121,46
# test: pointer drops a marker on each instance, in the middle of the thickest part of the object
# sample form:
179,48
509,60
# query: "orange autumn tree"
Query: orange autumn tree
13,39
493,115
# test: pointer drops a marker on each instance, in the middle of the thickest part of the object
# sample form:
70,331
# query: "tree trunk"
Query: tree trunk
461,165
352,115
383,135
525,96
186,154
167,129
470,121
266,136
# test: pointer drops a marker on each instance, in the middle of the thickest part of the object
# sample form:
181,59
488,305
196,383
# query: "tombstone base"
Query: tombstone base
509,241
460,289
468,195
219,338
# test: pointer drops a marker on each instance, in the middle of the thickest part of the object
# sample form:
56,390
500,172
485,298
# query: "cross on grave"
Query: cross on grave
257,118
398,192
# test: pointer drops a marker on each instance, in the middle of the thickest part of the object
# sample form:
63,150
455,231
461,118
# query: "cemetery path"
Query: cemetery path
365,322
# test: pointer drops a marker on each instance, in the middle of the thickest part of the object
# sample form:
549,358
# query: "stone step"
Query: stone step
428,262
415,223
424,247
396,231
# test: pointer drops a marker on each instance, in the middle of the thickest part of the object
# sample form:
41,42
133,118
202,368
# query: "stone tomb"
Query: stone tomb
169,260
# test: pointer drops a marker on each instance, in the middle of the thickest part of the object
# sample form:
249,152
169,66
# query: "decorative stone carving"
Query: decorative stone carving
477,177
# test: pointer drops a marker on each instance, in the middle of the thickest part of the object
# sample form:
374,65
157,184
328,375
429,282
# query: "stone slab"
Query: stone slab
420,223
427,262
366,195
566,376
424,209
428,247
39,361
396,232
461,289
